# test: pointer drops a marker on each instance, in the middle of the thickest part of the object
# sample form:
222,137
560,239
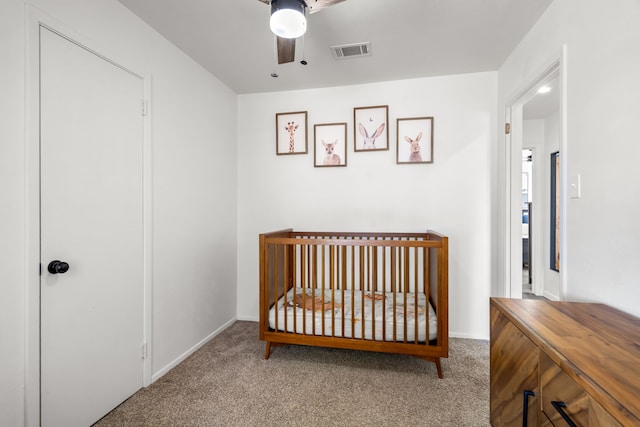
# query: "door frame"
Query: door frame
35,18
513,167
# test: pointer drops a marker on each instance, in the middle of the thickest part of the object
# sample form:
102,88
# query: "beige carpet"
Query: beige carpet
229,383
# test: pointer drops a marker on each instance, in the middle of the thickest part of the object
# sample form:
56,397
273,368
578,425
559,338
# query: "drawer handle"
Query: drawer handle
525,406
560,408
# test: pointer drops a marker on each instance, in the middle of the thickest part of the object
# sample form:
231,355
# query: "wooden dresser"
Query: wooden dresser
563,363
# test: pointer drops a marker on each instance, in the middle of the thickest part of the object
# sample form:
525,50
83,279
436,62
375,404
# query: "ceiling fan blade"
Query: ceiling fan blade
286,50
314,5
318,5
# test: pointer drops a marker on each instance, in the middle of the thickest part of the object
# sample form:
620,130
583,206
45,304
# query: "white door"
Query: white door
91,219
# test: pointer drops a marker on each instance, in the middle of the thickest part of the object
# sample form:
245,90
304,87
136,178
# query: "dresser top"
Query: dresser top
596,345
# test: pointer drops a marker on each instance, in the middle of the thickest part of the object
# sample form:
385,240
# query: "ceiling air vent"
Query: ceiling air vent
351,50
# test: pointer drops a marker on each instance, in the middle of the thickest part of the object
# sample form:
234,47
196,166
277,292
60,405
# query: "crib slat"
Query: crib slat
384,294
312,290
314,278
361,289
415,296
373,290
426,288
275,285
332,287
293,274
287,273
343,279
353,290
394,290
323,288
404,290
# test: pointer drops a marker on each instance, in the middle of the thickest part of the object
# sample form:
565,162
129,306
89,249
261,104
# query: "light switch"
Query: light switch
574,186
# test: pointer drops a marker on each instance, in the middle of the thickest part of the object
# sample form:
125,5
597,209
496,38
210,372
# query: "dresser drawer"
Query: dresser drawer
514,370
560,394
558,389
599,417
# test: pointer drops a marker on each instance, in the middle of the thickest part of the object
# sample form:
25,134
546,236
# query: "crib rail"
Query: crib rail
401,269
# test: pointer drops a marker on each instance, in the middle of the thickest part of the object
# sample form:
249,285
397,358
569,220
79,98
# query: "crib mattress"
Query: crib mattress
360,320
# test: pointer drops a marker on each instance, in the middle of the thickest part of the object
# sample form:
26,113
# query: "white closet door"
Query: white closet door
91,219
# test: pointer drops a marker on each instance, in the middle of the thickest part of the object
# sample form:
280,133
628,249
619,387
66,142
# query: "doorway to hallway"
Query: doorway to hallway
536,125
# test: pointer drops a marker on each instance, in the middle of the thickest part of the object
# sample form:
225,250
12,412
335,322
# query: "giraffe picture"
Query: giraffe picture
291,133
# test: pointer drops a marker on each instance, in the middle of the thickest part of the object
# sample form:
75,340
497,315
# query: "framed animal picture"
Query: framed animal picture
371,128
414,140
330,141
291,133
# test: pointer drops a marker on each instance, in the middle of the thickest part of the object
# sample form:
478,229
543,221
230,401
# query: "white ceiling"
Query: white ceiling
543,104
410,39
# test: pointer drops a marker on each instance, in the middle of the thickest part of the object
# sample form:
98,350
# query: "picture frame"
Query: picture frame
291,133
414,140
330,145
371,128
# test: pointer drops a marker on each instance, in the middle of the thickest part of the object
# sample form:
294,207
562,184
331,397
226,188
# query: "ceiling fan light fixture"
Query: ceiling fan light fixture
288,18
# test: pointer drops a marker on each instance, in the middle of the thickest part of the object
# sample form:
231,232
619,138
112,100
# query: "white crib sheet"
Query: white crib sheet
306,319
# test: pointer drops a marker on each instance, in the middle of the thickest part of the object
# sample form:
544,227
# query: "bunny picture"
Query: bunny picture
371,128
414,155
369,142
418,149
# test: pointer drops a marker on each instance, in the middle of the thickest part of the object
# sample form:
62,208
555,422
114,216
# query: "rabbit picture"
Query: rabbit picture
369,142
331,158
415,155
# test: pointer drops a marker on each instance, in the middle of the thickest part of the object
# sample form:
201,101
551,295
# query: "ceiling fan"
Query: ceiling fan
286,43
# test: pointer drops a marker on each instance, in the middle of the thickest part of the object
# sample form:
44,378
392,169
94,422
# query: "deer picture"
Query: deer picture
415,155
330,158
369,142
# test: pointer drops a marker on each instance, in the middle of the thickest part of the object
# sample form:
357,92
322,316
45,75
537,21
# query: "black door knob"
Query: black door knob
56,267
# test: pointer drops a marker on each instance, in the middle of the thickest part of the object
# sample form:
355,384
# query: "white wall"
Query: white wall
373,193
12,221
603,65
194,186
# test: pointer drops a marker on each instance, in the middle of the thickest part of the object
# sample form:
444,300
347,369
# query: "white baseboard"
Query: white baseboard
156,376
468,336
249,318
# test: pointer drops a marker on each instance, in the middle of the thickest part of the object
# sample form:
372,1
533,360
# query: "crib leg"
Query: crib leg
267,352
435,360
438,367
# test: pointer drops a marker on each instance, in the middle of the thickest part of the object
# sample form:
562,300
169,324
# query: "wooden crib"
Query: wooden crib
385,292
